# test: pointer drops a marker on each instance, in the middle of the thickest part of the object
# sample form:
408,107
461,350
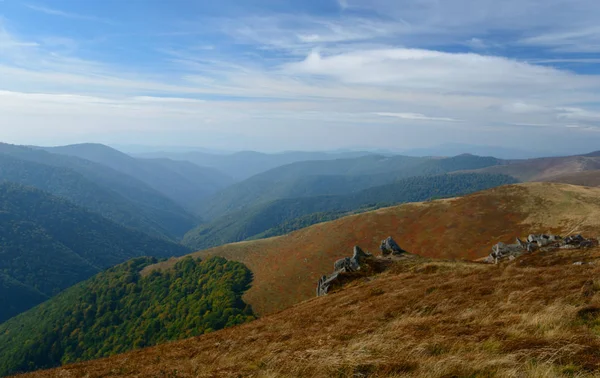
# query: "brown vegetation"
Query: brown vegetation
584,178
287,268
538,316
544,168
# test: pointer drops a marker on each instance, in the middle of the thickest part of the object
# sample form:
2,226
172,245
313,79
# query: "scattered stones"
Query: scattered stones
390,247
346,268
537,242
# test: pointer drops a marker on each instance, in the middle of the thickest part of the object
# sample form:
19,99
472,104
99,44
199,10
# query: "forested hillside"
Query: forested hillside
48,244
279,214
152,204
335,177
181,181
118,310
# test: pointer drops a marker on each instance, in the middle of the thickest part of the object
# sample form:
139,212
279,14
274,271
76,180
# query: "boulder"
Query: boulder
390,247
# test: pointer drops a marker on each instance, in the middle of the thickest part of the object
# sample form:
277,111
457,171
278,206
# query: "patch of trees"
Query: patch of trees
120,310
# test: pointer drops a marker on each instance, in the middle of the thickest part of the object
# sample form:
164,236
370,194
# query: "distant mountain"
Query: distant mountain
242,165
268,218
181,181
155,212
333,177
453,149
119,310
48,244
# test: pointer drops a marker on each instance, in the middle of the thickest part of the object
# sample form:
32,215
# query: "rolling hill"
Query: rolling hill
263,217
542,169
583,178
154,210
286,268
334,177
537,316
183,182
48,244
117,311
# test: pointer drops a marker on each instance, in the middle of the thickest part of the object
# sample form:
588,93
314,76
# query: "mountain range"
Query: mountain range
93,262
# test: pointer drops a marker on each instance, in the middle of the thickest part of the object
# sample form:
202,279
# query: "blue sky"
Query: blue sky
276,75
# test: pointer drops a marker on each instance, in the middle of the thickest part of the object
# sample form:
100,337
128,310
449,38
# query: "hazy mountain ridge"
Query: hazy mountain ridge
151,205
244,164
342,176
181,181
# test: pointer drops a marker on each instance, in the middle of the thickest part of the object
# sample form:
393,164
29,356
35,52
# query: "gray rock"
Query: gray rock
390,247
345,265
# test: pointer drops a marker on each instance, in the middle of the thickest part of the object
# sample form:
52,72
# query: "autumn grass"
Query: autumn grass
538,316
286,268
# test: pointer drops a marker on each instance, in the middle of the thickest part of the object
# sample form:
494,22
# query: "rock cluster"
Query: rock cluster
345,265
502,251
360,260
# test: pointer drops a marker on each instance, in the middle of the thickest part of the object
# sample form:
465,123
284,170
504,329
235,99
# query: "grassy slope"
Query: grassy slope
584,178
545,168
535,317
286,268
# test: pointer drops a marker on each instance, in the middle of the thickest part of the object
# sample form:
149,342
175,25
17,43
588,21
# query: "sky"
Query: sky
275,75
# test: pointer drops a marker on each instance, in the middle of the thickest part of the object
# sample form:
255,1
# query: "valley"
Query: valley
97,243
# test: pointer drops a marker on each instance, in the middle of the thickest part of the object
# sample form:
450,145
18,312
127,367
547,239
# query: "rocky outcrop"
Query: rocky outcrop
545,242
345,265
390,247
361,264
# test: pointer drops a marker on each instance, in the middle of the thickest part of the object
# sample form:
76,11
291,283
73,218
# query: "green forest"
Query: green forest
120,309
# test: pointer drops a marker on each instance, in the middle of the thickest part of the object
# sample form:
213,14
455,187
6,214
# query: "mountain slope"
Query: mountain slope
117,311
48,244
544,168
170,216
335,177
182,182
535,317
259,218
285,268
584,178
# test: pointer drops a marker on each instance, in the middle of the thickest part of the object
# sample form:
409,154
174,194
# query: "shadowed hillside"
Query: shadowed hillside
285,268
535,317
48,244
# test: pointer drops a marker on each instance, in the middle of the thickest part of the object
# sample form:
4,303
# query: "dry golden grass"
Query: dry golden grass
544,168
287,268
538,316
584,178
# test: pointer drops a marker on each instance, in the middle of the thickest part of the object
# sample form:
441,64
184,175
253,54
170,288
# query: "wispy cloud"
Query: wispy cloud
60,13
416,117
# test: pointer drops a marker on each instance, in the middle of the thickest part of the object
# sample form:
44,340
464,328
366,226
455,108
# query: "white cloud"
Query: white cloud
416,117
